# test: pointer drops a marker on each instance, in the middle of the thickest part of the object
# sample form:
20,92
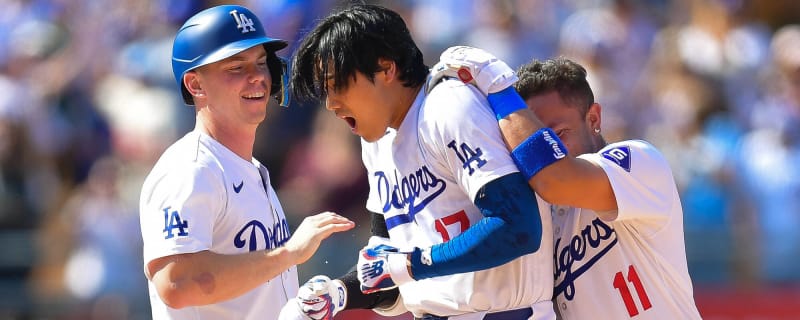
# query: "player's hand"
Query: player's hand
292,311
308,236
320,298
474,66
373,268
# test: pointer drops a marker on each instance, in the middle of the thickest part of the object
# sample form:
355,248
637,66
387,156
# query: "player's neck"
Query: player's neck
406,99
238,139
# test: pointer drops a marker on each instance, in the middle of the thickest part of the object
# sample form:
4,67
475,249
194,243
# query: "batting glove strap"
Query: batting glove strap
398,269
495,77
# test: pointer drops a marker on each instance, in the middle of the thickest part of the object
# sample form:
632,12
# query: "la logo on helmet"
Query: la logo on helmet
243,22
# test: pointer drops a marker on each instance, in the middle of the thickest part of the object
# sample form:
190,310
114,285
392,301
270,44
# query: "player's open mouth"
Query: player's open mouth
350,121
254,96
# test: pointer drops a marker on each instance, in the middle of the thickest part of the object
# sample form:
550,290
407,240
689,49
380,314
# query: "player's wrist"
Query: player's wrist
399,268
538,151
283,255
339,293
505,102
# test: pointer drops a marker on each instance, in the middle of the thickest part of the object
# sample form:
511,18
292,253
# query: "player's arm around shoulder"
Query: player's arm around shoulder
456,116
577,182
612,179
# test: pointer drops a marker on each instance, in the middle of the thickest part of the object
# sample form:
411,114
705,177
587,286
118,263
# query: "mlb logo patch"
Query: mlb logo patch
621,156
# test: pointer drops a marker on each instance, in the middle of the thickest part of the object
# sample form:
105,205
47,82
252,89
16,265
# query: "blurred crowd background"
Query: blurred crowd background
88,103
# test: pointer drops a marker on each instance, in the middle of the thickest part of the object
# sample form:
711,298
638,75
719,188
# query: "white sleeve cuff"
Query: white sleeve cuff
398,268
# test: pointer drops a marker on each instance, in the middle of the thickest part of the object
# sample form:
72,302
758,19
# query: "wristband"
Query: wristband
398,268
505,102
538,151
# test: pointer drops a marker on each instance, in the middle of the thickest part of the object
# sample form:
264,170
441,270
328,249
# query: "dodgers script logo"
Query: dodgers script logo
253,231
597,235
410,193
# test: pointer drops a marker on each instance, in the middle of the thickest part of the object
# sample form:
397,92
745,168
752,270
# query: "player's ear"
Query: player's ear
593,118
192,83
388,68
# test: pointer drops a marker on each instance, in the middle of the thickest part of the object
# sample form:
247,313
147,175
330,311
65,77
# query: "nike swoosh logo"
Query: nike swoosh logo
239,187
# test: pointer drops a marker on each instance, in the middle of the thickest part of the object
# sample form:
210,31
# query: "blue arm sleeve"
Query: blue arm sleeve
511,227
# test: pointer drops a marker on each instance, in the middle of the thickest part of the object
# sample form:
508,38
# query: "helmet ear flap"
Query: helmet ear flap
280,79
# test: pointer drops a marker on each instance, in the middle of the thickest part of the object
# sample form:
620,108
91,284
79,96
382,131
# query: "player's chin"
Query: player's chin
369,137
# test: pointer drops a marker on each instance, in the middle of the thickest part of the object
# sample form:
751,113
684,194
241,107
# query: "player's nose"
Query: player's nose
256,75
331,104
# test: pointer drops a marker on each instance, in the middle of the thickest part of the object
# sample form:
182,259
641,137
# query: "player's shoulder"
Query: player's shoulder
187,158
630,147
453,102
186,151
633,156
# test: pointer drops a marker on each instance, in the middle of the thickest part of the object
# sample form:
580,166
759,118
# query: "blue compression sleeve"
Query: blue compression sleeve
505,102
511,227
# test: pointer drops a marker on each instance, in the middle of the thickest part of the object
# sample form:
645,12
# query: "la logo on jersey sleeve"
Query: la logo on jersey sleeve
621,156
467,155
173,222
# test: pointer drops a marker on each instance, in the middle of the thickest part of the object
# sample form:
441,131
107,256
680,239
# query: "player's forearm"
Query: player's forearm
205,277
518,126
533,146
511,227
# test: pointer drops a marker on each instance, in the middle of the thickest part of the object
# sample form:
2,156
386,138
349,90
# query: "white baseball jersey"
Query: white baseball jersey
634,266
201,196
423,179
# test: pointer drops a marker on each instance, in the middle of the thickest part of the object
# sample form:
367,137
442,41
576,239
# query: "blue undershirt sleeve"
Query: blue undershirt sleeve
511,227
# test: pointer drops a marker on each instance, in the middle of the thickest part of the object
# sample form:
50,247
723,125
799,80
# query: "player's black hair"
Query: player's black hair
565,76
352,40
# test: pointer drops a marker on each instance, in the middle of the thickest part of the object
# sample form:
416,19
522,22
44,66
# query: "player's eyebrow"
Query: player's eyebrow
242,58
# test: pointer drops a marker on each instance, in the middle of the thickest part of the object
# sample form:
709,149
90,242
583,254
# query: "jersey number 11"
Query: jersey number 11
625,292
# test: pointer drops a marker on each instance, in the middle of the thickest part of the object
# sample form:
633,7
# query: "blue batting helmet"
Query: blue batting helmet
218,33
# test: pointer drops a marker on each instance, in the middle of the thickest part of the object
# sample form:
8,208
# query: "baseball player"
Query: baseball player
458,229
617,218
216,241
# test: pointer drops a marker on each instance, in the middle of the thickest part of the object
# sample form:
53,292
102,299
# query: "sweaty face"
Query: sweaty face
237,88
572,128
362,105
